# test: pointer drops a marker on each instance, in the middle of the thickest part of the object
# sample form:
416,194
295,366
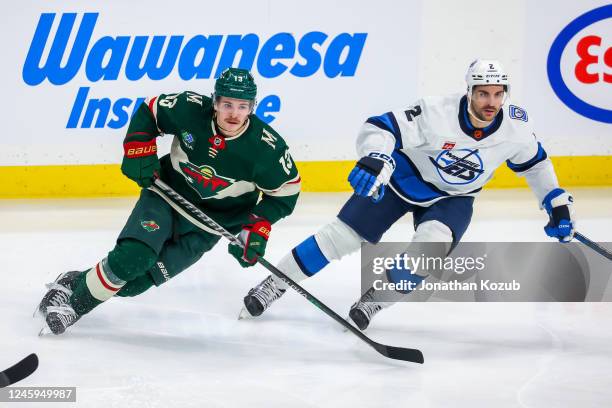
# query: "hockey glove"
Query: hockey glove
140,162
558,205
371,174
254,236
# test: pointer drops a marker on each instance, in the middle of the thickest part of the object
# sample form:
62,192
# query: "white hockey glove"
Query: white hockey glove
371,174
558,205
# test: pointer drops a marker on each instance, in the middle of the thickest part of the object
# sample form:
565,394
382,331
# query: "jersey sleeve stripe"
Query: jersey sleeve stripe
288,188
153,106
539,157
388,122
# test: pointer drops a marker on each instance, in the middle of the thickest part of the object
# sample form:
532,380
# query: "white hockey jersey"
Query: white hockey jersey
438,153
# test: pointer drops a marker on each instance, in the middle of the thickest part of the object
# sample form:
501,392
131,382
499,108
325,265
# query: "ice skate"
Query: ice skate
59,318
365,309
58,292
260,298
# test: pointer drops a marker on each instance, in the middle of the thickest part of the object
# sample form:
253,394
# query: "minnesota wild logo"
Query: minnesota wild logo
188,139
204,179
150,226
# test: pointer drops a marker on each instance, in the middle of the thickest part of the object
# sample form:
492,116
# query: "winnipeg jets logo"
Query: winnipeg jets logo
461,166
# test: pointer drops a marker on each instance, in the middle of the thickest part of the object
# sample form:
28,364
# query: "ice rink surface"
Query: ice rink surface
181,345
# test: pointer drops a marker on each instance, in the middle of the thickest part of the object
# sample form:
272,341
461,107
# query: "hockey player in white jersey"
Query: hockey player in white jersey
431,158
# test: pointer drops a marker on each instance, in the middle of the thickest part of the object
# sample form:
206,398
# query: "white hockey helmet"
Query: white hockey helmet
486,72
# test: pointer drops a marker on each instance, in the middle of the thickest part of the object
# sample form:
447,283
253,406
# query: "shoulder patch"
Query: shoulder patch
517,113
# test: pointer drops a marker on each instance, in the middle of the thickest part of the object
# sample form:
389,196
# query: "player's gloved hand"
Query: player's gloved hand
371,174
558,205
254,236
140,162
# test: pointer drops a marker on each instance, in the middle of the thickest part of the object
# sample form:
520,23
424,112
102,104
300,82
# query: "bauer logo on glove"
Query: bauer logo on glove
140,162
254,236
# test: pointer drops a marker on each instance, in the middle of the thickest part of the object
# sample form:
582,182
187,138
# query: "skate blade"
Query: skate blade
37,311
244,314
44,331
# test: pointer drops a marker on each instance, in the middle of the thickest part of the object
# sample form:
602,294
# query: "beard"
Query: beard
480,115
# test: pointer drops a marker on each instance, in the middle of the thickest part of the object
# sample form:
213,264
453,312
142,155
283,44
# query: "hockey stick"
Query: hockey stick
198,218
19,371
594,246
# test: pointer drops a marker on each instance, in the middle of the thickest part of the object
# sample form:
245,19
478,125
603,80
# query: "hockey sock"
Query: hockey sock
404,278
309,257
129,260
303,261
331,242
94,287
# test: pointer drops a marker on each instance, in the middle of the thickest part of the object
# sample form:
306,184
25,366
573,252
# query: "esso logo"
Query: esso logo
579,65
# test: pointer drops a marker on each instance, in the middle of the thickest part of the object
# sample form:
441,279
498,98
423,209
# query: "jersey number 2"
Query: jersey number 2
411,113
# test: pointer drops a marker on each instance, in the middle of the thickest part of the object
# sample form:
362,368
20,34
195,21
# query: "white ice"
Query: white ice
181,345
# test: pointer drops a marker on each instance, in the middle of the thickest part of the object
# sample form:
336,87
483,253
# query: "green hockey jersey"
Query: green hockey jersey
224,176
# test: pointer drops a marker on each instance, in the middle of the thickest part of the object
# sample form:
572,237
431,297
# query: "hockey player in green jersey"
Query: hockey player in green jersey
223,159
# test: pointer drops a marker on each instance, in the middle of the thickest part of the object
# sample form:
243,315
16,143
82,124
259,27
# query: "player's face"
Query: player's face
232,113
487,101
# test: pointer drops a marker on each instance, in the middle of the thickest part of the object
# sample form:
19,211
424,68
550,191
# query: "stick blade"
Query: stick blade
4,380
400,353
19,371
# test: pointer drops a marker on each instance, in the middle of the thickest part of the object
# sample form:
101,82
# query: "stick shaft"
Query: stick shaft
200,219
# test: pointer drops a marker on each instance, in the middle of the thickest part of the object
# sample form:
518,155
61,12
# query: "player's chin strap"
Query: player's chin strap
199,219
